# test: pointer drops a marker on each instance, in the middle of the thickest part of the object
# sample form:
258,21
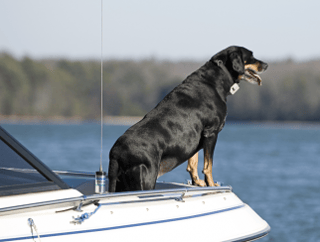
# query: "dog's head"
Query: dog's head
252,67
242,65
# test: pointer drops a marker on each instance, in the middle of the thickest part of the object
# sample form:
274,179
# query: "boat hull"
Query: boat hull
188,216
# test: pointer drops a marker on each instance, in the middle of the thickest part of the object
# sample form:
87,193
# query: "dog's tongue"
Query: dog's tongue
252,77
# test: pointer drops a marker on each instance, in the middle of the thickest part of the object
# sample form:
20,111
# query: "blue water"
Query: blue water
275,168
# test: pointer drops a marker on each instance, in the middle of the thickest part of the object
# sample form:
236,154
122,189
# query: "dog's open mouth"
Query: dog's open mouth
252,77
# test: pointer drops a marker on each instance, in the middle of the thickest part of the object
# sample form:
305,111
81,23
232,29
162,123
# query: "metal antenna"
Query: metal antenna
100,178
101,94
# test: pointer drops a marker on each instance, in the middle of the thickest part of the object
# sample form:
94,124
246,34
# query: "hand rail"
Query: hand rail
67,173
76,201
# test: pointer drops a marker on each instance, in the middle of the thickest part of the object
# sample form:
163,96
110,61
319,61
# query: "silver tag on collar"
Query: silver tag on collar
234,88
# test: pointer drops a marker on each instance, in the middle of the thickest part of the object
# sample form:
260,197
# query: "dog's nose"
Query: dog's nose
264,66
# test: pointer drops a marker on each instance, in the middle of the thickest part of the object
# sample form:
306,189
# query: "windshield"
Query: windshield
14,170
21,172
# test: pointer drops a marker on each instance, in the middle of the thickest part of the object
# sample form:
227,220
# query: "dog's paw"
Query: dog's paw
212,184
200,183
216,184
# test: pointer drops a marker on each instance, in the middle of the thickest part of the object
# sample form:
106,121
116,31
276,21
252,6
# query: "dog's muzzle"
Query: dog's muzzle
251,73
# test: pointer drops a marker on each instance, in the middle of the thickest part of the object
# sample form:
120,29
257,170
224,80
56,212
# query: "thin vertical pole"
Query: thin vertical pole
100,177
101,98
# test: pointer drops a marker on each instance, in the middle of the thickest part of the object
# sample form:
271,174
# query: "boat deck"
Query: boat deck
87,186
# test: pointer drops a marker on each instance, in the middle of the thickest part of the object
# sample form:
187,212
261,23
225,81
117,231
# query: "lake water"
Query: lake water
275,168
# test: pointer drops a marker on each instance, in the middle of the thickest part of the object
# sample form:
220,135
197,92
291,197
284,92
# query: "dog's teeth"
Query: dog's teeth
259,80
252,77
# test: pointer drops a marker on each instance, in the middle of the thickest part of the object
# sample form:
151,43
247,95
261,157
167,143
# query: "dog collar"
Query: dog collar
235,87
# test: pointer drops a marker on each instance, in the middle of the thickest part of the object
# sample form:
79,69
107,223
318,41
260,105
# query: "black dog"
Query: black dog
188,119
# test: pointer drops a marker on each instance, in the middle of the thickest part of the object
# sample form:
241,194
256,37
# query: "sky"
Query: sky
166,30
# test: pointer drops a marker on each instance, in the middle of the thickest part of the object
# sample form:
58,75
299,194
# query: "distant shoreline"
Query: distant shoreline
130,120
110,120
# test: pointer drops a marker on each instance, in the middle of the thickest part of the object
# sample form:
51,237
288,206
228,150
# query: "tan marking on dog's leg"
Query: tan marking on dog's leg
207,171
193,170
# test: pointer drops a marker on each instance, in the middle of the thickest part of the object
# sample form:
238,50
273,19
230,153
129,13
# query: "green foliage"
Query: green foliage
290,91
14,86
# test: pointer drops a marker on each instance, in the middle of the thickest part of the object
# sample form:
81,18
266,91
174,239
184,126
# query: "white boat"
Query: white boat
37,204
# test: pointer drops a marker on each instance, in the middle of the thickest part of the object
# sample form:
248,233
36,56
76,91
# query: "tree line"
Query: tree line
47,88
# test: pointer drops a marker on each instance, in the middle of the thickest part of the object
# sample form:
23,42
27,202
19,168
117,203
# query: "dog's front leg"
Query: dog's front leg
193,170
208,149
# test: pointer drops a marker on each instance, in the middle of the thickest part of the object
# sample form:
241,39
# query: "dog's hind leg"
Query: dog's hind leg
113,174
137,178
193,170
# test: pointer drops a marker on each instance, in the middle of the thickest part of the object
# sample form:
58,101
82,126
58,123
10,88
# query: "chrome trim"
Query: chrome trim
57,172
75,173
46,204
153,192
76,201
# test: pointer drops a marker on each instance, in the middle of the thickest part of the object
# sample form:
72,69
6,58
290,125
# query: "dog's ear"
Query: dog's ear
237,63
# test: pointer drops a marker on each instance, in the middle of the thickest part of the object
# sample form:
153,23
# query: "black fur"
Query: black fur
188,119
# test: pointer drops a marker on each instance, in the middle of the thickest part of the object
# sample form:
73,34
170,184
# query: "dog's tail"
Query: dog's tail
113,174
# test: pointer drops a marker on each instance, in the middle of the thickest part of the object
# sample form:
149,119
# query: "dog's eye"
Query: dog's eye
250,60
